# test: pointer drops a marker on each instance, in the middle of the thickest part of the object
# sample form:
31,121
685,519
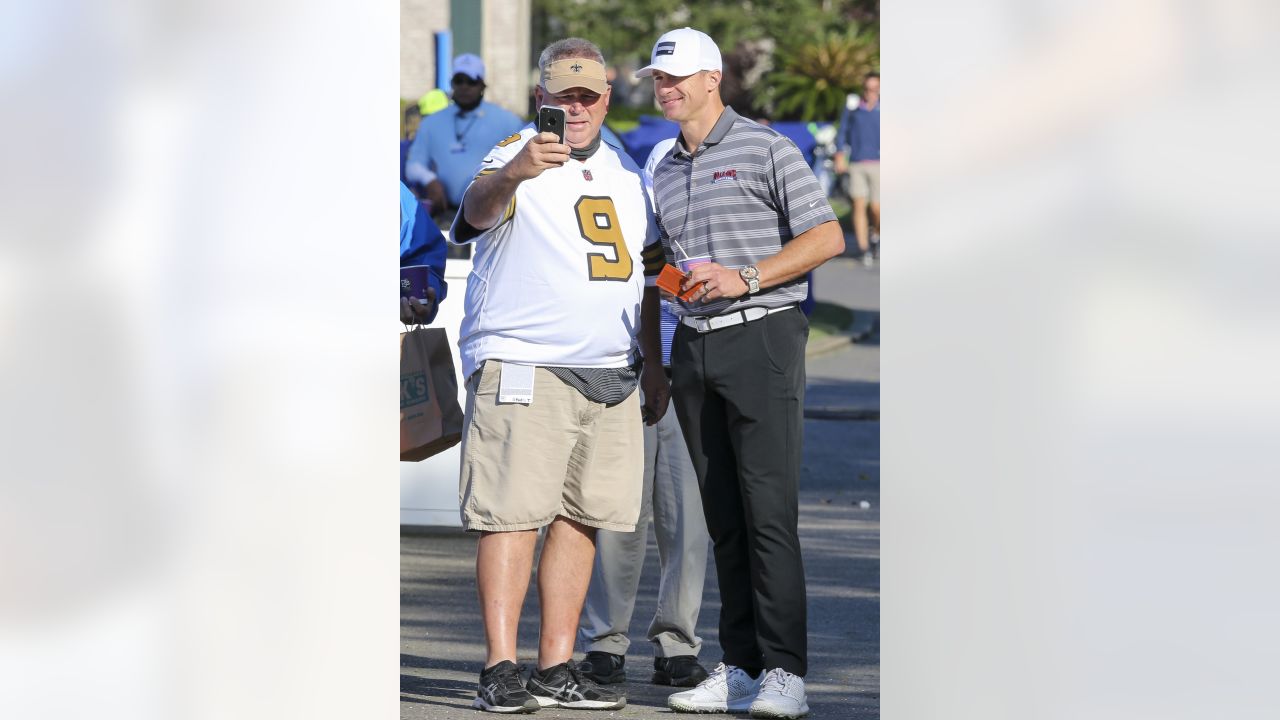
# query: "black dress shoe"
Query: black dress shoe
678,671
603,667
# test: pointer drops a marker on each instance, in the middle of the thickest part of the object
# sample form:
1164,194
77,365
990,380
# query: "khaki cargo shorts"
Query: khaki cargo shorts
562,454
864,179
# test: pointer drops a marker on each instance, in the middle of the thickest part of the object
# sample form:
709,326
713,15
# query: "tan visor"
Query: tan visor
574,72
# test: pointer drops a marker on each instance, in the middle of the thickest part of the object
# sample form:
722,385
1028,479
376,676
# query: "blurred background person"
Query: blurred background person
421,244
451,143
432,101
408,129
672,502
859,142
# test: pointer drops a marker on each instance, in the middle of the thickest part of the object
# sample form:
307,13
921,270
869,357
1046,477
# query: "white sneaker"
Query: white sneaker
781,696
727,689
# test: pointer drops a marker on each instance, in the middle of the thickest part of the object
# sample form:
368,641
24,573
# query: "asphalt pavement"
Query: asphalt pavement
442,639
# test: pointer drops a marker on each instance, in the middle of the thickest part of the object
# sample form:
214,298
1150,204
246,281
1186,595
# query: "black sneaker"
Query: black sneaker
502,691
564,686
603,667
678,671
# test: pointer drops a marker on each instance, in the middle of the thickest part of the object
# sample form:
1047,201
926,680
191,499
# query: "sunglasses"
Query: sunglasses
465,80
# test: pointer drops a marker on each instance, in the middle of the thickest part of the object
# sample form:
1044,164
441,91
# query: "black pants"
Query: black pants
739,395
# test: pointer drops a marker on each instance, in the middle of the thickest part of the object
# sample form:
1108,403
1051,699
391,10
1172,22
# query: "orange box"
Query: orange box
670,278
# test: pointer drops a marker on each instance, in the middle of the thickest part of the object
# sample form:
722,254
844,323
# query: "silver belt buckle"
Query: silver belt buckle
699,324
716,322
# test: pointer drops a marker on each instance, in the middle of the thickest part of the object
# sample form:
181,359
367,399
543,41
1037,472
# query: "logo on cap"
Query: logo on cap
575,67
664,48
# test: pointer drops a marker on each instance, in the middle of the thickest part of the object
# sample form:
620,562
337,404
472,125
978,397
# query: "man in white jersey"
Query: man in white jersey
549,347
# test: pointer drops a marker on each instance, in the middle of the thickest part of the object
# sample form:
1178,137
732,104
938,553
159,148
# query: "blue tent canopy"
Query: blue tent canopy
653,129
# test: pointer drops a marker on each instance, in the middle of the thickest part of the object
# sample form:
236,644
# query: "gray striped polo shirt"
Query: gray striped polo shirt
742,196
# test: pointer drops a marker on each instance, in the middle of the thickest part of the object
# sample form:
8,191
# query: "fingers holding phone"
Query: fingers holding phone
546,149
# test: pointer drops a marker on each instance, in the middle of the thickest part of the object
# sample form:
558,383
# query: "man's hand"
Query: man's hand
436,196
416,312
842,164
721,282
542,152
657,392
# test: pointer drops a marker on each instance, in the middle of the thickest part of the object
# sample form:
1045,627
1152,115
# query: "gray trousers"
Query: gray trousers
671,500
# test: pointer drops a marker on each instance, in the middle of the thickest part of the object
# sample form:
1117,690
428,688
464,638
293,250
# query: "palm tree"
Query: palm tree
814,78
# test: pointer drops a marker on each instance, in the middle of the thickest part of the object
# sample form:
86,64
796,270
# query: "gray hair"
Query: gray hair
569,48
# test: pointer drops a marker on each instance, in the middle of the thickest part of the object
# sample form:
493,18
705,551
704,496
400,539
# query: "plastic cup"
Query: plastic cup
686,266
415,279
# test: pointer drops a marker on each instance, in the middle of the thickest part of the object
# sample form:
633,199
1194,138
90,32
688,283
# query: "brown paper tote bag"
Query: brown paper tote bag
430,419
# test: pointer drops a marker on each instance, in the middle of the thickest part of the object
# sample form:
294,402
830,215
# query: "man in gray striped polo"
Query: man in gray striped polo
742,213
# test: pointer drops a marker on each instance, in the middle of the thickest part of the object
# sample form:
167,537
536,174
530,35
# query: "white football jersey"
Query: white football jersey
558,281
659,151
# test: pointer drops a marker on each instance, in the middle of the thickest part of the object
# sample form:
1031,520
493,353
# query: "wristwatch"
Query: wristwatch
751,276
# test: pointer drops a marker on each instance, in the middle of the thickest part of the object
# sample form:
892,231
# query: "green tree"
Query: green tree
623,30
756,38
813,78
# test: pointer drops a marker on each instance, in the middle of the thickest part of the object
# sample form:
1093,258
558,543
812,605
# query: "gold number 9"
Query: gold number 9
598,223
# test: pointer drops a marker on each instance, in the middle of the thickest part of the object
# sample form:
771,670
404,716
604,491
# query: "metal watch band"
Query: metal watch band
751,276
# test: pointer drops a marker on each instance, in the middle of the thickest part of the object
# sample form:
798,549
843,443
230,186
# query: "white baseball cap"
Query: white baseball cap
470,65
683,52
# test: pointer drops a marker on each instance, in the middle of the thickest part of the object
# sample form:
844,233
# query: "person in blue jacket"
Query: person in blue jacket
421,243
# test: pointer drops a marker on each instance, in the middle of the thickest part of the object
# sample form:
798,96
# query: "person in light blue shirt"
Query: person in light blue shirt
421,243
451,143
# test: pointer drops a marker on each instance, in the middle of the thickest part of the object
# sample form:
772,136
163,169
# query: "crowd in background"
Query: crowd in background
845,154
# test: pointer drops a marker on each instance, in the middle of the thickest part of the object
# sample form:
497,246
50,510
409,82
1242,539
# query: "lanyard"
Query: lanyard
459,134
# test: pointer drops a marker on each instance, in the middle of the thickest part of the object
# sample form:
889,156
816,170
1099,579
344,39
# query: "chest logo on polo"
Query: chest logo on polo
724,176
586,175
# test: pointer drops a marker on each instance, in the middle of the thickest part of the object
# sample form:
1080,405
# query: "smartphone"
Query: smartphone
551,119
